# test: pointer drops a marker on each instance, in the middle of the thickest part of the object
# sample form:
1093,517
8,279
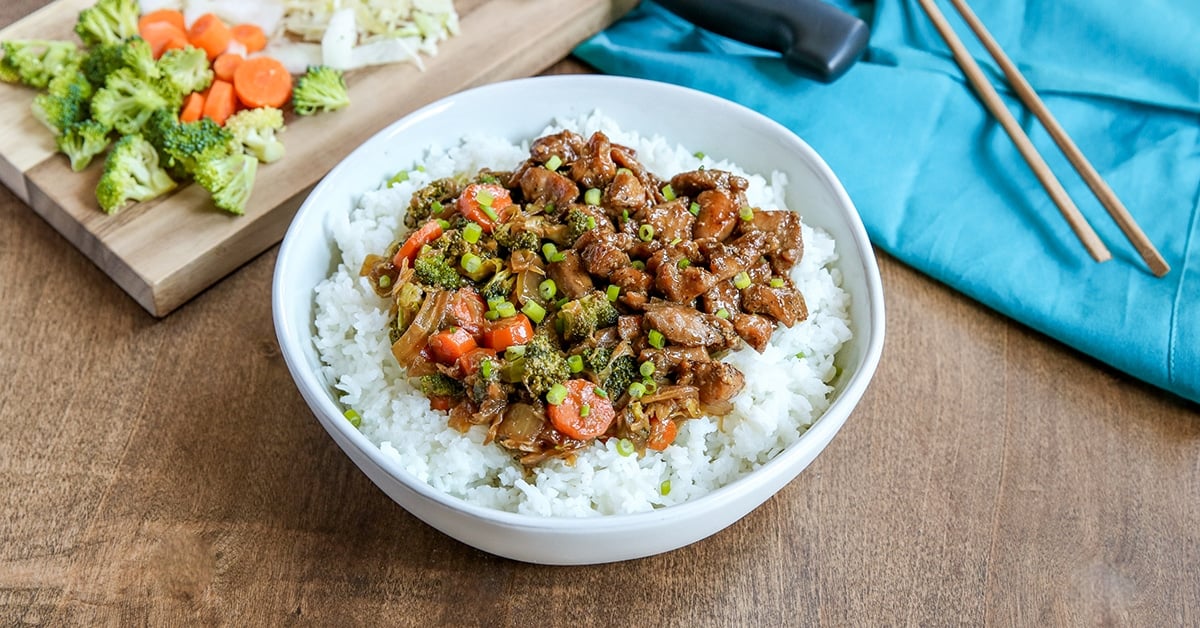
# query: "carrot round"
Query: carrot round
262,82
662,433
582,414
193,107
170,16
163,36
470,361
225,65
428,232
486,204
451,344
249,35
506,332
211,34
220,102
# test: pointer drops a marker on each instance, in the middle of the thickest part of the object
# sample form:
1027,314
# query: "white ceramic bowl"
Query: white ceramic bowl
520,110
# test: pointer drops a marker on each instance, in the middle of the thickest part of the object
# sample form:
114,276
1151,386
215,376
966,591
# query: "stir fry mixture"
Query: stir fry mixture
582,297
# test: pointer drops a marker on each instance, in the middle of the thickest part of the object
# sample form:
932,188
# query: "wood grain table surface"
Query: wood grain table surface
167,472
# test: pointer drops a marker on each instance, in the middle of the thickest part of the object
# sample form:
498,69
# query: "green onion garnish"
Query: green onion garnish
494,301
655,338
699,155
385,281
624,216
776,282
553,163
547,289
665,487
484,197
491,315
399,177
600,392
575,362
694,208
549,251
584,410
485,368
591,222
534,311
741,280
646,233
491,213
638,264
646,369
471,262
650,385
624,171
506,309
444,224
676,241
592,196
556,395
746,212
435,207
683,263
420,168
612,292
352,417
625,447
800,355
668,192
722,313
471,232
636,390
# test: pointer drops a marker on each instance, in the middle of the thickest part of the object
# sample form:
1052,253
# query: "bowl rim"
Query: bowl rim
308,381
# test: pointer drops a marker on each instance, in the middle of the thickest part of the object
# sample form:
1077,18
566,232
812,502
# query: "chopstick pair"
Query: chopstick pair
1029,97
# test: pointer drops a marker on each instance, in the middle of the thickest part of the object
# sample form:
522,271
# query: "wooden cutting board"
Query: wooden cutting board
164,252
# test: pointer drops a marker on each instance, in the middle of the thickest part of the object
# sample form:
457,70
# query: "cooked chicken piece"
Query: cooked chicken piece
717,381
667,359
785,304
629,326
625,193
569,276
727,259
722,296
567,146
755,329
688,327
542,186
604,253
718,215
595,167
671,220
785,243
696,181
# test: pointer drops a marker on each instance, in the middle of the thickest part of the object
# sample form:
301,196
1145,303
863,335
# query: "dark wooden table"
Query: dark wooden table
167,472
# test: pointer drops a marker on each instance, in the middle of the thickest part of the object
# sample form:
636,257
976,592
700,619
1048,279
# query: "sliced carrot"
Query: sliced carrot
249,35
471,360
193,107
225,65
220,102
262,82
211,34
441,403
486,204
506,332
451,344
170,16
582,414
662,433
428,232
163,36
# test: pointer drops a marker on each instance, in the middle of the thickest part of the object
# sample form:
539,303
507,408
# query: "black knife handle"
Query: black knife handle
815,37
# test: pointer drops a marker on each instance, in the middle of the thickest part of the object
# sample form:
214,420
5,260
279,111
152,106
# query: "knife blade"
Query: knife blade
816,38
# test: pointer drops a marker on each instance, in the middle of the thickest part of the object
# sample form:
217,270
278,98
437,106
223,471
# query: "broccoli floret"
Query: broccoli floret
578,223
518,241
108,22
321,88
500,286
59,112
255,129
581,317
189,144
545,364
186,69
83,141
137,56
126,101
229,180
432,269
622,372
597,358
436,194
71,81
35,62
131,172
440,385
100,61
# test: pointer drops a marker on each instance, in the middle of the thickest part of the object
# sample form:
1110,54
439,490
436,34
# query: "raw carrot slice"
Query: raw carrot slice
225,65
170,16
249,35
220,102
163,36
211,34
262,82
193,107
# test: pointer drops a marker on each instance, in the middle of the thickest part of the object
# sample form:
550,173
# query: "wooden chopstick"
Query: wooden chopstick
1099,187
991,99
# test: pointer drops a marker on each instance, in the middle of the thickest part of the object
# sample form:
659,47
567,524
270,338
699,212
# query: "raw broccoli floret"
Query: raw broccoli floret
440,385
72,80
581,317
229,180
137,56
623,371
545,364
108,22
131,172
126,101
187,69
187,145
59,111
432,269
321,88
83,141
100,61
578,223
255,129
35,62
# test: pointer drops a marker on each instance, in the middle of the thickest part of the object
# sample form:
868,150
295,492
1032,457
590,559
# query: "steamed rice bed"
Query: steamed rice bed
787,386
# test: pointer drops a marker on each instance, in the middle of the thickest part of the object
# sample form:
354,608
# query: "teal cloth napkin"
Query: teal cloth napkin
942,188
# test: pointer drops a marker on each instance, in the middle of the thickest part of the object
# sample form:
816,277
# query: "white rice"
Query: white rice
783,395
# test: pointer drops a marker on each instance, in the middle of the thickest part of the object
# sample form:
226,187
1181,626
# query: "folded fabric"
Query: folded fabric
942,188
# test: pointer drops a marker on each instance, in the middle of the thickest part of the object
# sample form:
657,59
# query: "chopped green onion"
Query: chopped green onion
638,264
646,233
624,171
534,311
612,292
491,213
722,313
591,222
547,289
800,355
548,208
556,395
624,215
746,212
776,282
683,263
584,410
592,196
655,338
694,208
471,262
676,241
485,368
553,163
494,301
471,232
665,487
399,177
352,417
549,251
650,385
514,352
491,315
444,224
636,390
625,447
420,168
646,369
699,155
600,392
435,207
561,302
385,281
484,197
506,309
741,280
668,192
575,362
